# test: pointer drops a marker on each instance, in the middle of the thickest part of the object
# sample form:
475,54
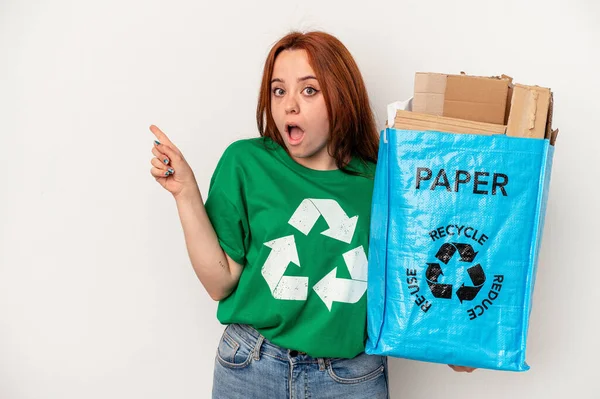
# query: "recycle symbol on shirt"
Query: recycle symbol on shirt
330,288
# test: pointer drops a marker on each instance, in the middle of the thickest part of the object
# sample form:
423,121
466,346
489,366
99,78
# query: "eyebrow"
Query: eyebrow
302,79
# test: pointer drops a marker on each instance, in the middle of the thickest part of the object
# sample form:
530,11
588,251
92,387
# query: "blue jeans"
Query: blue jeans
248,366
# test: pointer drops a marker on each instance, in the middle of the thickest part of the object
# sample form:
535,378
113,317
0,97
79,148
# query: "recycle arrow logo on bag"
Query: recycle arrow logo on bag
330,288
465,253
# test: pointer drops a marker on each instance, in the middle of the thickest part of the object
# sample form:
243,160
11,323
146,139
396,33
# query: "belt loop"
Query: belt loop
321,364
259,342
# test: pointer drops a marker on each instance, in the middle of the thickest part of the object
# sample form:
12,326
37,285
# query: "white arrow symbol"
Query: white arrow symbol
341,227
283,251
331,289
357,263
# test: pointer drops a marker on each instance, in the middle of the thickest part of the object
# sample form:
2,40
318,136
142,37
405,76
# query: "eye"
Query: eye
310,91
278,92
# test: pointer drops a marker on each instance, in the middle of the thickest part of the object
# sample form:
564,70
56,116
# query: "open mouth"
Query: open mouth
295,133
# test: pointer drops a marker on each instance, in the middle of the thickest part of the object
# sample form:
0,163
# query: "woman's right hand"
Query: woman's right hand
169,167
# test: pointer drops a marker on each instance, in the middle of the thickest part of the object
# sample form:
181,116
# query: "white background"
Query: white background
97,296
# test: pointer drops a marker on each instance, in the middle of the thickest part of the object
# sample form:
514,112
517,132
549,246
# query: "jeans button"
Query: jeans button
293,353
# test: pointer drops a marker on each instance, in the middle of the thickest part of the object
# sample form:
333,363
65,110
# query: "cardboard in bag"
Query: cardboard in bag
430,89
475,98
551,134
408,120
530,112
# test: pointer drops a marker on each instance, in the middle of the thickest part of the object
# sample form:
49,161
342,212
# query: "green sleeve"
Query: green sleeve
225,206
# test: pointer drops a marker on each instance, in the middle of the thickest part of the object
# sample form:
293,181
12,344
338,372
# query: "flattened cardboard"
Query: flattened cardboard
475,98
419,121
530,112
429,93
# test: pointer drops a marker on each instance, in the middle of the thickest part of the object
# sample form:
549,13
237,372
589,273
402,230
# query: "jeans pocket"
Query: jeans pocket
233,352
359,369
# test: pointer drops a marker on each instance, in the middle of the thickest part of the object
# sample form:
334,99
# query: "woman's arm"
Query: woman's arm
218,273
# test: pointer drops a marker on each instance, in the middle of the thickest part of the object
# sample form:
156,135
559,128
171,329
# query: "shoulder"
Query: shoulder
370,167
365,169
243,157
242,149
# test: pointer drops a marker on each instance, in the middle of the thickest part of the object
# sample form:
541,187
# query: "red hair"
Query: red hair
351,123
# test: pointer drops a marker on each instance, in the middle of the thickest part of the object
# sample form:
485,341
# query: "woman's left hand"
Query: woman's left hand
462,369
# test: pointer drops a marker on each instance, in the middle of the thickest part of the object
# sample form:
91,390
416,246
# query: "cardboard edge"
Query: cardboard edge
549,131
553,137
509,95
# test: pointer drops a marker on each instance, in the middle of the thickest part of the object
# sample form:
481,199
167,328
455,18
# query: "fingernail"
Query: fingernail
166,161
171,170
157,142
167,173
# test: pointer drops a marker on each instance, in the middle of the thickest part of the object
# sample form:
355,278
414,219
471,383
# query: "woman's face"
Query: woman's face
299,110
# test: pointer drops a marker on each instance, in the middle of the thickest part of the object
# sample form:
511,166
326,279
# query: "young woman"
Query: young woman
281,240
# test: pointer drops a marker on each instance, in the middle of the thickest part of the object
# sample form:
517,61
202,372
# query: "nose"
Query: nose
291,105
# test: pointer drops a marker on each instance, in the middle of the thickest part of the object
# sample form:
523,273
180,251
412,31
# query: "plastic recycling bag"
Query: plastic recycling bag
456,226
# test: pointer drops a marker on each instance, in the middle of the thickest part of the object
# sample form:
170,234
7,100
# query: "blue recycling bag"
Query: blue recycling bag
456,226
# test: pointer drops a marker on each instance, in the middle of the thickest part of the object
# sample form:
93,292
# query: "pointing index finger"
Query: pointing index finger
160,134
